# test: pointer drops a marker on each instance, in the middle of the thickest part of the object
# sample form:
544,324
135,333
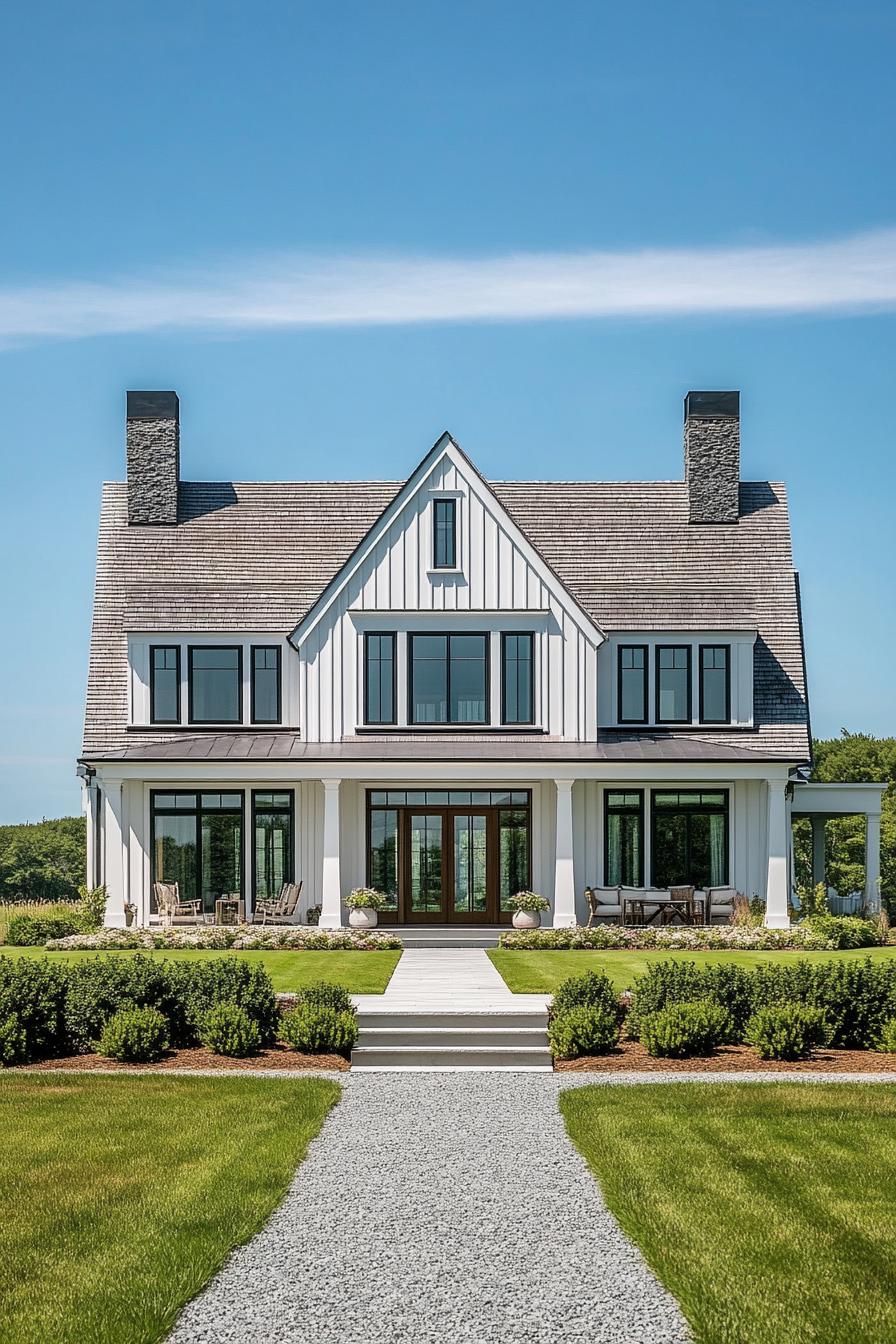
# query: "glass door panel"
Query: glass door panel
174,854
425,863
513,853
470,864
221,857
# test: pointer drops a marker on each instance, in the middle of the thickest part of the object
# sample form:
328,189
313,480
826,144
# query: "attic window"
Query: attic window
444,534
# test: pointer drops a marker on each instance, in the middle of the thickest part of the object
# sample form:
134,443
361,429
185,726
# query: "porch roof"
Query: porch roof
274,746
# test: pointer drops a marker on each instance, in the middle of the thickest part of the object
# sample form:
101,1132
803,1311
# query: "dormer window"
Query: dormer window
265,683
216,683
444,534
715,684
449,679
673,683
632,683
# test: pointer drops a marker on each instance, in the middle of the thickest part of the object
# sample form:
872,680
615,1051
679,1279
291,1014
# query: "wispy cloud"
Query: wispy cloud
288,290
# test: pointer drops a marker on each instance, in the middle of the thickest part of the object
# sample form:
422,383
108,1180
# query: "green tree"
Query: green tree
43,860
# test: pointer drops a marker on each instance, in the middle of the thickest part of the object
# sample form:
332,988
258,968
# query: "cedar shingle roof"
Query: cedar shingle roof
256,557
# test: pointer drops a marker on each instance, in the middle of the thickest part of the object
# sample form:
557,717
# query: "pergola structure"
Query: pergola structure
820,801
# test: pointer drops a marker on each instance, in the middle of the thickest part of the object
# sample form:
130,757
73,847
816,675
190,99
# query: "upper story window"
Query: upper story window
164,683
715,684
632,683
444,534
265,683
379,678
448,679
673,683
216,683
517,698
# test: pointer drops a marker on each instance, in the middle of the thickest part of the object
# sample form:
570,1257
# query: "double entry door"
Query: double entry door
449,860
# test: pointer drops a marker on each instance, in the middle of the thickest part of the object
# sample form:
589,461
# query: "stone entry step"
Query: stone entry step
438,935
498,1038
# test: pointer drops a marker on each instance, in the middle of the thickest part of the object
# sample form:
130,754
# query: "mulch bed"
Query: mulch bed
631,1057
197,1057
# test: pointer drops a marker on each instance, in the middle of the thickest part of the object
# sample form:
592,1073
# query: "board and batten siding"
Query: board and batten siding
396,588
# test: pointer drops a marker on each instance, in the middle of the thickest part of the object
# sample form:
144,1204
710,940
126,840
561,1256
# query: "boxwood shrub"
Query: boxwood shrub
33,991
585,1030
135,1036
201,985
100,986
685,1029
670,982
594,989
227,1029
787,1030
34,930
323,994
317,1029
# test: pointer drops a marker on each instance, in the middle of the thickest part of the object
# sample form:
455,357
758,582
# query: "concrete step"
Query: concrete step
445,1038
495,1019
432,935
432,1057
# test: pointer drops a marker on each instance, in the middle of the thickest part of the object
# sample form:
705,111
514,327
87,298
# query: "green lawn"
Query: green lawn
359,972
766,1209
541,972
120,1197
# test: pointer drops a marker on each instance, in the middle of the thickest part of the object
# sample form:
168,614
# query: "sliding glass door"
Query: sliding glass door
197,842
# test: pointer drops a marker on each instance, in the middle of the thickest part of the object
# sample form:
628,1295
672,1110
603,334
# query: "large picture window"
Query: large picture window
379,678
517,698
632,683
265,683
164,683
444,534
690,839
197,841
448,679
624,839
673,683
715,684
216,683
272,843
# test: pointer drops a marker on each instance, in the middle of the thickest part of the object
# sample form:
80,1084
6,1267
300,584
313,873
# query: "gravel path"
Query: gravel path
434,1208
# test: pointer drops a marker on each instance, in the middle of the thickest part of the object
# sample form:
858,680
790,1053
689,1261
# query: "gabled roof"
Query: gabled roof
260,556
444,447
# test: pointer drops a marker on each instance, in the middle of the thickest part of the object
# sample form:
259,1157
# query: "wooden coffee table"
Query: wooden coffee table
230,910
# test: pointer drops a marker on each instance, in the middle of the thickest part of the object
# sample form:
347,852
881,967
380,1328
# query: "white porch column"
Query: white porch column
818,864
564,876
777,883
872,862
115,864
331,882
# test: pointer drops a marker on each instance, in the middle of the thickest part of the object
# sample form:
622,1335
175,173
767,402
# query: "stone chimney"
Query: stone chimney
153,437
712,455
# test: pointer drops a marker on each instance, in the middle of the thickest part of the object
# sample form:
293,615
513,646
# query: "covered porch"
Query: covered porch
821,802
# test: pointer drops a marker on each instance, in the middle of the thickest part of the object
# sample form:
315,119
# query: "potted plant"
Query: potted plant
527,907
363,904
130,914
313,915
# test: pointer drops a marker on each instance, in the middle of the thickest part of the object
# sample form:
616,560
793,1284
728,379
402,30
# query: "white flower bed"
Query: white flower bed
241,937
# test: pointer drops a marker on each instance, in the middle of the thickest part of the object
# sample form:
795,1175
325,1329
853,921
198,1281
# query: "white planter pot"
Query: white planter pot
526,919
362,919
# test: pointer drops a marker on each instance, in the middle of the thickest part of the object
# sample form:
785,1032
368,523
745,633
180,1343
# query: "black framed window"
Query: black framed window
444,533
673,683
631,684
216,683
196,840
383,853
272,842
624,838
690,838
448,680
265,683
379,678
517,683
715,683
164,683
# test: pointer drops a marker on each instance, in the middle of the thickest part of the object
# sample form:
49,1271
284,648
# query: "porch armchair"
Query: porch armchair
281,909
603,903
719,903
170,906
685,897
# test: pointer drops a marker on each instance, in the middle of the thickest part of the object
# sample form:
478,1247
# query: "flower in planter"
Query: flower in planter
365,898
529,901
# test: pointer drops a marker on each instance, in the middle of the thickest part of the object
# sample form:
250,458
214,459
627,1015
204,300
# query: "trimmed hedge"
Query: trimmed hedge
227,1029
856,997
585,1030
787,1031
594,989
135,1036
34,931
317,1029
32,1006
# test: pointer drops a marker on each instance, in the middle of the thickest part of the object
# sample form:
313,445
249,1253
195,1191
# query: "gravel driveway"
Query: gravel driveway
439,1207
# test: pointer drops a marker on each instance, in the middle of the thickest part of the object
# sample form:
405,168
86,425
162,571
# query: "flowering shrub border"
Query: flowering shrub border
240,937
606,937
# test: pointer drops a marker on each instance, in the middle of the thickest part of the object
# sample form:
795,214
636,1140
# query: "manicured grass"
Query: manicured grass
766,1209
541,972
358,972
120,1197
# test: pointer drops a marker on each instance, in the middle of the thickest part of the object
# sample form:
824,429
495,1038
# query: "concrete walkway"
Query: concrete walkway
448,979
436,1208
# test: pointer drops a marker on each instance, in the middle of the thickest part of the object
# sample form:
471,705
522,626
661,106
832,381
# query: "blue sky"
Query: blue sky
337,230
